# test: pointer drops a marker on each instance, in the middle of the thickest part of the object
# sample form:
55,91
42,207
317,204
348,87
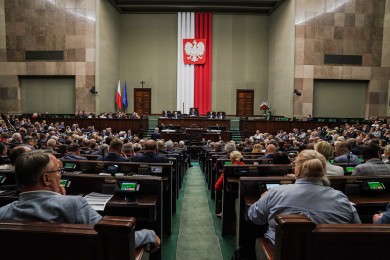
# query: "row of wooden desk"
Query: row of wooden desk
154,204
244,184
197,135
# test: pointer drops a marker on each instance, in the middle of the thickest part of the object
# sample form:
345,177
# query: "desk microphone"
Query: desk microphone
348,157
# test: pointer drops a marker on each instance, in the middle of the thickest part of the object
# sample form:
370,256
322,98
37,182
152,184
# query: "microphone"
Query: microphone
348,157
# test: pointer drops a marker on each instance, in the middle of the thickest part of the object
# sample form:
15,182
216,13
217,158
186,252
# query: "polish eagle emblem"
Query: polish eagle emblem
194,51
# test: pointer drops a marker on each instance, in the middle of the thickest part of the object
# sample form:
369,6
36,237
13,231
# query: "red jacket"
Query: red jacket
219,183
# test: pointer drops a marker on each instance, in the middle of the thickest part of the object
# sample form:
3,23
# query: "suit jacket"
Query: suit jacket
372,167
73,157
353,159
50,206
267,156
112,157
155,136
150,158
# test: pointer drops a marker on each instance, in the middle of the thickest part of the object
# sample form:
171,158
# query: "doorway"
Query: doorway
143,101
244,99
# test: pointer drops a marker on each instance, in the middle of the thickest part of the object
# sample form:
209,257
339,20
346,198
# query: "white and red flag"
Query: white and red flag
194,61
118,97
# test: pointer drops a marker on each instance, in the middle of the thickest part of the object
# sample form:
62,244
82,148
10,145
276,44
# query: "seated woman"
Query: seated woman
236,159
309,195
257,148
326,149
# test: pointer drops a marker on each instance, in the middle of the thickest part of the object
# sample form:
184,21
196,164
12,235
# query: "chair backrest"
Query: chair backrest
111,238
297,237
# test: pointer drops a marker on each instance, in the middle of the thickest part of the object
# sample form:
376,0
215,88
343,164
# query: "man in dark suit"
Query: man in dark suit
194,111
176,115
269,152
114,153
155,135
150,155
373,163
221,115
211,115
73,153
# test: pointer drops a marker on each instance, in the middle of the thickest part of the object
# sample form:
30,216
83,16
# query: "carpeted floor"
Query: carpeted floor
197,238
196,233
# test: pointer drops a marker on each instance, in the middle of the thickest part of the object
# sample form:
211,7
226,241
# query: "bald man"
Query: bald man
269,152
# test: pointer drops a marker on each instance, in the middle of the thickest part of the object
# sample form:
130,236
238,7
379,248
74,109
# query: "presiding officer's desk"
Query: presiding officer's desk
138,170
251,188
195,122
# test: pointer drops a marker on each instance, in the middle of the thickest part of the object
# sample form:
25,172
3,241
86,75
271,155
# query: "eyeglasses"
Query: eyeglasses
60,170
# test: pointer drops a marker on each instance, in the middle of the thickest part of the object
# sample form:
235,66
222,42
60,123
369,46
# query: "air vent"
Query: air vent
343,59
44,55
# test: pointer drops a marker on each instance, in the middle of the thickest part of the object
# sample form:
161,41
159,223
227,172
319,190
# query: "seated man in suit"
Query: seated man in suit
38,175
221,115
114,152
211,115
155,135
194,112
373,164
176,115
166,113
344,155
269,152
150,155
73,153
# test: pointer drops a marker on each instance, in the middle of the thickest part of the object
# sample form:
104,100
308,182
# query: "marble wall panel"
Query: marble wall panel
67,25
354,27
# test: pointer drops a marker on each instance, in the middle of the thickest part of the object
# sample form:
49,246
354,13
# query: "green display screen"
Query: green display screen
349,169
128,186
331,161
70,166
64,182
375,185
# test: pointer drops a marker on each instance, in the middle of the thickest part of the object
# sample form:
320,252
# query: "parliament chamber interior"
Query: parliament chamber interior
194,130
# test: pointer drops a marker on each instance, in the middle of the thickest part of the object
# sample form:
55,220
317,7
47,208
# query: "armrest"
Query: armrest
118,237
267,247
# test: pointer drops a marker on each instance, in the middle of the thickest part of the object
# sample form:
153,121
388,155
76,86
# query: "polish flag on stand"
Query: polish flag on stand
118,98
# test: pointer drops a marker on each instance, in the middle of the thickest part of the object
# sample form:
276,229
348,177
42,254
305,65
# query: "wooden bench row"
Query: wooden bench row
367,203
297,237
111,238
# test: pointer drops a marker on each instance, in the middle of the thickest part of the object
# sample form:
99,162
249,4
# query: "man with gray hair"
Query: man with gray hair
16,140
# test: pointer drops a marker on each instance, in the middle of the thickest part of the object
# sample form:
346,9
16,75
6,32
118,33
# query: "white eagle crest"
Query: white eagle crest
194,50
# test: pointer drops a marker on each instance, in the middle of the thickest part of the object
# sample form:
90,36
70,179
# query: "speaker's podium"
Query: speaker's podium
194,134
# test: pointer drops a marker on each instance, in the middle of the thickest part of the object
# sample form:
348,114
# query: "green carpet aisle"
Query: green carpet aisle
197,238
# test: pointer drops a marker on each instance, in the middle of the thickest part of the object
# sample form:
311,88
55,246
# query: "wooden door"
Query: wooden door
244,105
143,101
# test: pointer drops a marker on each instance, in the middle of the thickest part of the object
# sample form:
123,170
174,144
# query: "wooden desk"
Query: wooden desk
195,122
232,173
130,168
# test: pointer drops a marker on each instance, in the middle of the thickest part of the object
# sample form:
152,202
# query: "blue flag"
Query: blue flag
124,99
